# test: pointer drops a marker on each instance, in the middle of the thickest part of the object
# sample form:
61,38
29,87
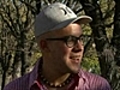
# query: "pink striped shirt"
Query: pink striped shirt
81,81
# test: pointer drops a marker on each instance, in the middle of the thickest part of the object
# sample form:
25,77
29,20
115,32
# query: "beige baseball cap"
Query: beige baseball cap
56,16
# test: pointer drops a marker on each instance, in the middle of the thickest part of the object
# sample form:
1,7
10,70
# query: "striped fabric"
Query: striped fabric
81,81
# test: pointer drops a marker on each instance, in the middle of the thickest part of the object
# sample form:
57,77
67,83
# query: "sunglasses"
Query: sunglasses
70,41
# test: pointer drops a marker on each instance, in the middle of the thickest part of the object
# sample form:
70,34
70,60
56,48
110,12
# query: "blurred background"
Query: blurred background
19,52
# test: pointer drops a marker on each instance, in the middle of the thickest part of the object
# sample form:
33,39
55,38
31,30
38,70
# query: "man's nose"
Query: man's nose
78,46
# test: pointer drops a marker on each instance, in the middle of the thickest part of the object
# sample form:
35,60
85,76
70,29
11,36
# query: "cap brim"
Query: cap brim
81,20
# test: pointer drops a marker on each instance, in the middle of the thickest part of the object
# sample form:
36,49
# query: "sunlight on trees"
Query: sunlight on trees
19,52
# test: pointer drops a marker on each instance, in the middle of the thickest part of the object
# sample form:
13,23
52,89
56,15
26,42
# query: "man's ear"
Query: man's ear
43,44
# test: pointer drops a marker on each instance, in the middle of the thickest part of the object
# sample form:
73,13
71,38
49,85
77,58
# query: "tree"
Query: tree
17,43
107,49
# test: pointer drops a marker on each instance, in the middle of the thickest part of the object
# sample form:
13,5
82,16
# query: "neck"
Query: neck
57,82
53,78
51,73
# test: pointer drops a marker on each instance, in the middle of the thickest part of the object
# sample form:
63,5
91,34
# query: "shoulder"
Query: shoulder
24,82
18,84
95,81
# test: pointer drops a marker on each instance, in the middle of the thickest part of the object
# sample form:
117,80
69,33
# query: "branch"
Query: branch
33,10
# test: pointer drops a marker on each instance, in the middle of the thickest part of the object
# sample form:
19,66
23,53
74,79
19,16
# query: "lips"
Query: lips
75,58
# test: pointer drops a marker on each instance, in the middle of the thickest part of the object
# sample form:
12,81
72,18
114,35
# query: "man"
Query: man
59,36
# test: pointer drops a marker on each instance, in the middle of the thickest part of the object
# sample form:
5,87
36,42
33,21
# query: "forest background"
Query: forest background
19,52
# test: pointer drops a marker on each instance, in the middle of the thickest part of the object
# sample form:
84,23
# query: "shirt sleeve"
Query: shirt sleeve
99,83
105,85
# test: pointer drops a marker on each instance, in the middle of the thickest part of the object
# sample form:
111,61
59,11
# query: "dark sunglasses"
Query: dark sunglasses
70,41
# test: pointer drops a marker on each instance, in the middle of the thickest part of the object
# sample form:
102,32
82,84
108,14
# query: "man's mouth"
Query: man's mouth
75,58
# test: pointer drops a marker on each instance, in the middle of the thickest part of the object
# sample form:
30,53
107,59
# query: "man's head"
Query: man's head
60,37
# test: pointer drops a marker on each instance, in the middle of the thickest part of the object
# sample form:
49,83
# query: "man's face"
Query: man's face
66,59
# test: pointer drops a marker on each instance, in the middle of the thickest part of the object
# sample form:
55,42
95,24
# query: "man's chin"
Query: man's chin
75,71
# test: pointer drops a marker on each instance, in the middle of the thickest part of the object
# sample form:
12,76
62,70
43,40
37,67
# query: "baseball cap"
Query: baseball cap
57,16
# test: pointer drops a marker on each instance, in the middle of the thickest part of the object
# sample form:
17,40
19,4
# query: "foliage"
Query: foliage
90,61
